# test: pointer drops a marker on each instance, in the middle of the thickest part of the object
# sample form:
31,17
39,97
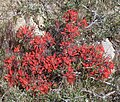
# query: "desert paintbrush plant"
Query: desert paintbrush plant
37,63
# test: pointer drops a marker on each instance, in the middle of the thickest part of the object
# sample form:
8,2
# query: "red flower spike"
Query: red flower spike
70,77
83,23
24,31
70,15
17,49
70,69
20,72
23,81
44,89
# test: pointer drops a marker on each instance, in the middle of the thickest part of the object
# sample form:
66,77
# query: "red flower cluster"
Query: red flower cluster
93,60
36,59
70,15
83,23
25,31
17,49
33,68
70,75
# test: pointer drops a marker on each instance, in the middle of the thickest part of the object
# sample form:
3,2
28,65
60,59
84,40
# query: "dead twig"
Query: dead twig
97,95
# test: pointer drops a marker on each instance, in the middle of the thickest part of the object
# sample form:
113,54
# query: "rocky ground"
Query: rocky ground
103,17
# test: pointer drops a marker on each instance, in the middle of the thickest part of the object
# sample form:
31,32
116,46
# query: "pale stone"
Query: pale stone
40,20
37,31
19,23
109,50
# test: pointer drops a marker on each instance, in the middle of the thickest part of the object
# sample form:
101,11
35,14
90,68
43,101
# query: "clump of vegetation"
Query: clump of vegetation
66,63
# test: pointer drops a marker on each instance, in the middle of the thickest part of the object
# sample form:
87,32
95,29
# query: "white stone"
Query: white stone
19,22
37,31
109,50
40,20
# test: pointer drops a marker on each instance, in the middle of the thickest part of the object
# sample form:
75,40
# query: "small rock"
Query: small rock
19,22
109,50
40,20
37,31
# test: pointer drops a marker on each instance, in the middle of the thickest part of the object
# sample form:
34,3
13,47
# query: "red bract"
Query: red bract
24,31
71,28
44,89
17,49
51,63
9,60
83,23
70,75
20,72
89,55
70,15
23,81
70,32
92,58
106,73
